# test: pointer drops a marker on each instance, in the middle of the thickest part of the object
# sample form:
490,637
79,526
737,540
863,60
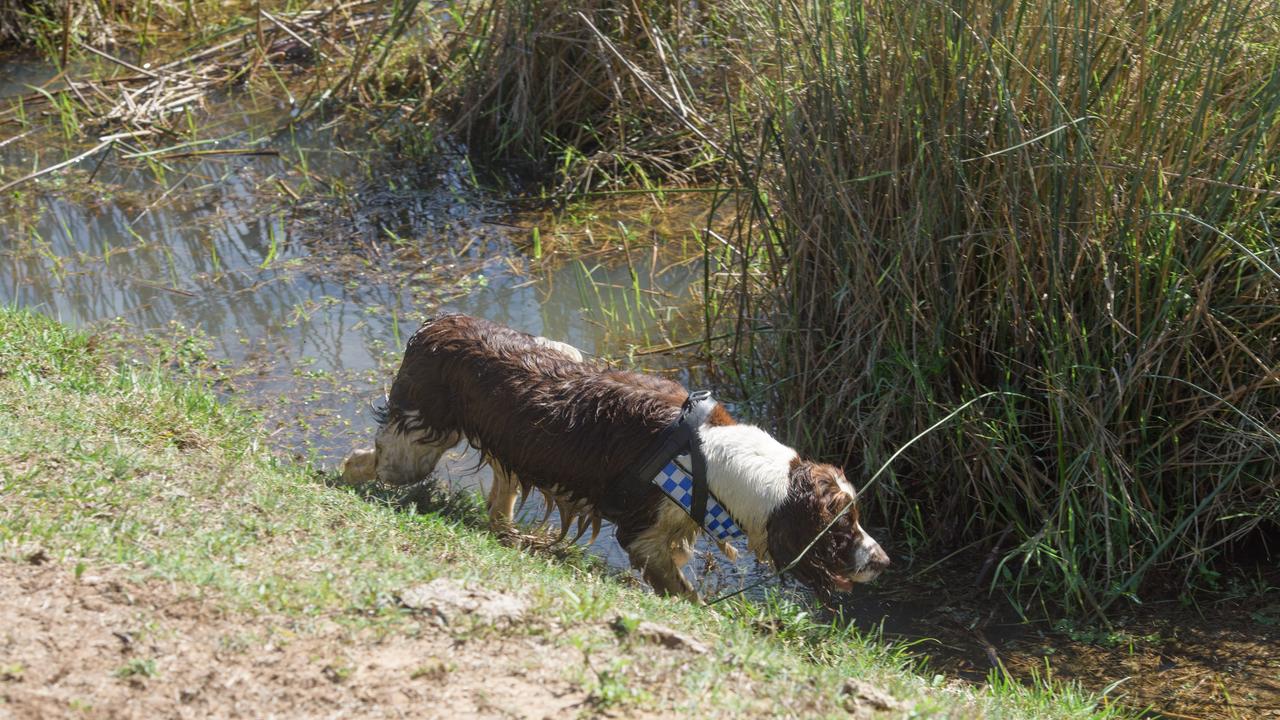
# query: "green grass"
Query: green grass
103,462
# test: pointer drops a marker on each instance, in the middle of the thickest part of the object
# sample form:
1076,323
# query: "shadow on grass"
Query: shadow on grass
468,508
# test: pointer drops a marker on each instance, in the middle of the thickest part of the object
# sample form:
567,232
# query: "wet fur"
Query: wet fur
547,421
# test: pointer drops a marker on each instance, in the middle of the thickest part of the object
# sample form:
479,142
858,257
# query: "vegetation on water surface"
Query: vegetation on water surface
107,465
1070,204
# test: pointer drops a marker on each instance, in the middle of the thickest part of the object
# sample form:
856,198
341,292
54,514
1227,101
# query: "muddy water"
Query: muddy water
295,278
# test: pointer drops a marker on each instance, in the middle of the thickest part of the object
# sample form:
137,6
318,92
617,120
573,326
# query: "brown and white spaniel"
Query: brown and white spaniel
547,420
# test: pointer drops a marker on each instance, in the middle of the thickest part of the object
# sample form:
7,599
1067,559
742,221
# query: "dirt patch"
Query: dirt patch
1220,659
101,646
446,601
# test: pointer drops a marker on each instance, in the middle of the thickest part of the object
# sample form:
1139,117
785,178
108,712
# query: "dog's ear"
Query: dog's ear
815,499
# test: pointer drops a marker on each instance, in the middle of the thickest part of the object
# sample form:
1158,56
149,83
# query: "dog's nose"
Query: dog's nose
878,560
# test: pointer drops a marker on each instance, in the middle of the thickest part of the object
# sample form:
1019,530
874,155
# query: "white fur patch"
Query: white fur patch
845,486
867,550
564,349
749,472
404,459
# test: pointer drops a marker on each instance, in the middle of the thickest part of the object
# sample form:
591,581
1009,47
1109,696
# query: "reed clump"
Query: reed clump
40,23
1073,203
563,90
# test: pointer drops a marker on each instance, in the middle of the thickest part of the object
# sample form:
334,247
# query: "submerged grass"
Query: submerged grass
111,464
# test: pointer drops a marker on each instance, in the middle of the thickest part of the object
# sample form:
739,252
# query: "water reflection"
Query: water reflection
306,306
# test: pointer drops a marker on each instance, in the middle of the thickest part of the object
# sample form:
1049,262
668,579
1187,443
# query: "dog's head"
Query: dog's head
360,467
818,496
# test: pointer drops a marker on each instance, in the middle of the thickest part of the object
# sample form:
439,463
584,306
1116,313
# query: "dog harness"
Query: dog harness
676,464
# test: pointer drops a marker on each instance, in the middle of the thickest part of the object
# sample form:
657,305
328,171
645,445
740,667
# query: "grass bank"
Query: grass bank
112,468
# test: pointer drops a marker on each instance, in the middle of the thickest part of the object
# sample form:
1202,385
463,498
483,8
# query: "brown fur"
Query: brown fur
814,493
572,430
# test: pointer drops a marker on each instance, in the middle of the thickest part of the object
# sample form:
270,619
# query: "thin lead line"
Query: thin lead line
846,508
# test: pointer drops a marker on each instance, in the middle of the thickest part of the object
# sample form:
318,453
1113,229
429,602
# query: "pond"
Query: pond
295,261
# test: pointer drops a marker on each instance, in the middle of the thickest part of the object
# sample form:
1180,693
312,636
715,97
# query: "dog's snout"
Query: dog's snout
878,559
869,559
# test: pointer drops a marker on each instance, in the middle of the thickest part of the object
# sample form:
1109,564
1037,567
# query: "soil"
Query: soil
105,647
1216,659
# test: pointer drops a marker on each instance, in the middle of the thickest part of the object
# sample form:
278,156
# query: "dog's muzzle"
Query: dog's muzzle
869,560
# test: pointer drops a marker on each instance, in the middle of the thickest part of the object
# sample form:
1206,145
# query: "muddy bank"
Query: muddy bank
102,645
1215,658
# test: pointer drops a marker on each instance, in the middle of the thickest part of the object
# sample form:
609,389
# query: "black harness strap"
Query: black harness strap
676,439
697,408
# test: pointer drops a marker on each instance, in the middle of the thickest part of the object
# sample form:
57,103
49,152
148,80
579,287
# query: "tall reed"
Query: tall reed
1072,201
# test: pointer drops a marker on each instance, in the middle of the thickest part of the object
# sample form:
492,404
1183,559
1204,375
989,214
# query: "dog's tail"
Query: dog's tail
426,325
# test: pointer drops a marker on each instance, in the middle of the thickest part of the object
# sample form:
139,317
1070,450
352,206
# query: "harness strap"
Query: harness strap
678,438
696,409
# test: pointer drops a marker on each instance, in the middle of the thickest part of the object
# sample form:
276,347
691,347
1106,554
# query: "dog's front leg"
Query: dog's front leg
665,576
660,550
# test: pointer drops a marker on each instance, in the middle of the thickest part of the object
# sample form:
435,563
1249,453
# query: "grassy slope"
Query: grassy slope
106,463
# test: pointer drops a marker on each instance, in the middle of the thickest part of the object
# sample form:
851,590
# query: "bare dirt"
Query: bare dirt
100,646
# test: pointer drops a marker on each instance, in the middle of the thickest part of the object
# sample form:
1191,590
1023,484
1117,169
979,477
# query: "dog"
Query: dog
545,419
360,468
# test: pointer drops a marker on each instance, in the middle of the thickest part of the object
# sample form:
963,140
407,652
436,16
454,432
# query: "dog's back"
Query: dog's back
529,406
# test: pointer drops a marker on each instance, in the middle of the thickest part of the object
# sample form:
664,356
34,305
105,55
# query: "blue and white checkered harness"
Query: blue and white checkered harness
676,481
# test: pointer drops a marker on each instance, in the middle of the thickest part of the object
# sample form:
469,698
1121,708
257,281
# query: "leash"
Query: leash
778,573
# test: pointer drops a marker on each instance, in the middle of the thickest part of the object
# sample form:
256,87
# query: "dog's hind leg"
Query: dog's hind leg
502,497
360,467
660,550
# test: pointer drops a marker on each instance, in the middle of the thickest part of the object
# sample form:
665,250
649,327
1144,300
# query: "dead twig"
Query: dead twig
55,168
242,152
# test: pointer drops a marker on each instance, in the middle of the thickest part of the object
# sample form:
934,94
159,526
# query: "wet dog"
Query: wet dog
547,420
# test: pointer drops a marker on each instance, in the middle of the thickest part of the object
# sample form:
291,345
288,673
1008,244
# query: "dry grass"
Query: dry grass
549,88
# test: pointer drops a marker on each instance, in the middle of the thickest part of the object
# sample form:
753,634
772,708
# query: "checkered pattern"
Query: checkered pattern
676,482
